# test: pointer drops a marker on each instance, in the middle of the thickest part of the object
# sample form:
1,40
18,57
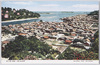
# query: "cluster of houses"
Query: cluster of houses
75,32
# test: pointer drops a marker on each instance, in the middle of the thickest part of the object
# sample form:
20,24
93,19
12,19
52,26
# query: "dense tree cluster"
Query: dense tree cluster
22,46
12,14
95,45
95,14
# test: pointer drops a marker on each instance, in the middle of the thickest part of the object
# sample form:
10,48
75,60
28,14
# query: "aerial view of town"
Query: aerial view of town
50,30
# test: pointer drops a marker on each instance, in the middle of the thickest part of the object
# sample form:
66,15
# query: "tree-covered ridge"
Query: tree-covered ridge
95,14
12,14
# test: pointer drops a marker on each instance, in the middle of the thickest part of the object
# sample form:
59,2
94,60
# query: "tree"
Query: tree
41,21
20,47
95,45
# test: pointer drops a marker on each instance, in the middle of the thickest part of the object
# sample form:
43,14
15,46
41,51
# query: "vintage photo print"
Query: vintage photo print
54,31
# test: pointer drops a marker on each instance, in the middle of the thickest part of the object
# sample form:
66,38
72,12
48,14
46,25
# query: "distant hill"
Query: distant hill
95,14
67,12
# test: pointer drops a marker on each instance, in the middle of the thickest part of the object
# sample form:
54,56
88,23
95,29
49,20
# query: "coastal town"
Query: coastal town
67,31
76,32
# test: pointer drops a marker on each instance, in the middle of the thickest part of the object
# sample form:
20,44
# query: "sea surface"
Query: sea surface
48,16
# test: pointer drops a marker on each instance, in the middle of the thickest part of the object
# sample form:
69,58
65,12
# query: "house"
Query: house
73,34
60,35
9,25
30,34
24,13
86,44
87,47
23,34
53,37
6,16
70,37
4,43
13,30
48,31
68,42
46,37
6,11
18,13
79,43
61,38
14,10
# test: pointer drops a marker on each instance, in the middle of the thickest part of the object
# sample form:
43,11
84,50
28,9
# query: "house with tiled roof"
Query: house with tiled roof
68,41
4,43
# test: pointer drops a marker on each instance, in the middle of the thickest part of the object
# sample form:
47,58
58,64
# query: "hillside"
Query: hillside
13,14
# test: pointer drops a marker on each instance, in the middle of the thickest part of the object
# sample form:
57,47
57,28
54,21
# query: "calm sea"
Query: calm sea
49,16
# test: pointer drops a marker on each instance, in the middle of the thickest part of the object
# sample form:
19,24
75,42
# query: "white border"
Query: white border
51,62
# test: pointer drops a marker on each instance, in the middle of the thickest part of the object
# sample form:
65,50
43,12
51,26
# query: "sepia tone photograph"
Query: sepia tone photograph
50,30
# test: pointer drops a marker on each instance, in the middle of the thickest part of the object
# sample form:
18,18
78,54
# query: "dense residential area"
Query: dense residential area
13,14
76,38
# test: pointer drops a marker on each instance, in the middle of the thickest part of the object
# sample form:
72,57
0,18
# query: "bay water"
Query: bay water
48,16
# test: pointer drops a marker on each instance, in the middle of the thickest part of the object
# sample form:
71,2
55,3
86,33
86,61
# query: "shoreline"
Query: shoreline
18,20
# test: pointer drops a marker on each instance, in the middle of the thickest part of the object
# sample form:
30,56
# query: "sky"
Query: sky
53,5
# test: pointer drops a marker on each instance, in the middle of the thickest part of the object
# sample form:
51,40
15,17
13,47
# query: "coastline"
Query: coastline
18,20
